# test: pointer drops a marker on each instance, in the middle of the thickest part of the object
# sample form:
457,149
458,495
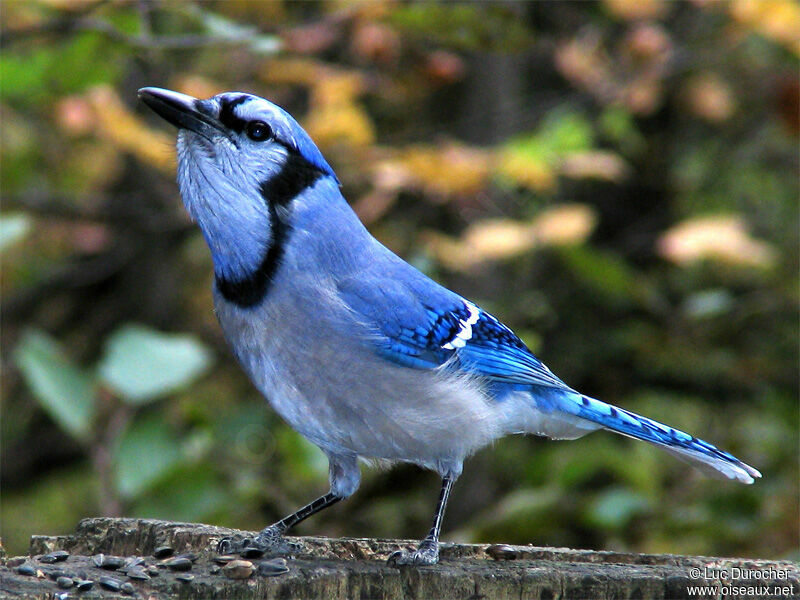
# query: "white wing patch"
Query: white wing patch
465,333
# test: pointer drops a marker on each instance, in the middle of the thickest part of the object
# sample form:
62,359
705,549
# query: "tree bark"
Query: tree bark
333,569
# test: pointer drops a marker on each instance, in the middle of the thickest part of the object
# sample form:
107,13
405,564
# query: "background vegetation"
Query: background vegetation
617,180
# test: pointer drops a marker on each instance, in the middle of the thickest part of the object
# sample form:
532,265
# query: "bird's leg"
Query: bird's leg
270,539
344,477
427,553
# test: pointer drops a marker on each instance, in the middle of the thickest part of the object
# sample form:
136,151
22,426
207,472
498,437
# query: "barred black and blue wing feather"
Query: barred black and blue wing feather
456,332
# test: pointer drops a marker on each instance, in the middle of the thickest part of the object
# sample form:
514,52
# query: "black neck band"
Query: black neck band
296,175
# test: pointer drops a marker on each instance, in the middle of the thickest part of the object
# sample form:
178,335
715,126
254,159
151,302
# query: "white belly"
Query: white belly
338,393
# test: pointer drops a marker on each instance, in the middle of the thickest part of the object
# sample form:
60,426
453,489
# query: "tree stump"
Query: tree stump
145,558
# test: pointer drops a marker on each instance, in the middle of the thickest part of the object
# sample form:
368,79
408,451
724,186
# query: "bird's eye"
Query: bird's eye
258,131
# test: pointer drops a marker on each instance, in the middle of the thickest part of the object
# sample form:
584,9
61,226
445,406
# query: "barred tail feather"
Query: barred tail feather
697,452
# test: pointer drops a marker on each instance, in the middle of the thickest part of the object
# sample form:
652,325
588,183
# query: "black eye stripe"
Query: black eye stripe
228,118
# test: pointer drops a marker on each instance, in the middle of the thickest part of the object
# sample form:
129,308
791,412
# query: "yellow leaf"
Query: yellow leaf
124,130
293,71
636,10
533,172
502,239
337,88
778,20
335,117
450,252
340,123
494,239
722,237
595,164
565,225
452,169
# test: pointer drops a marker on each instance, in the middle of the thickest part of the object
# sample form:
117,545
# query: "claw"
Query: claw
233,544
268,541
422,556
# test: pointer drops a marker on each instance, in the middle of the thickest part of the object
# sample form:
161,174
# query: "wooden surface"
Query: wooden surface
356,568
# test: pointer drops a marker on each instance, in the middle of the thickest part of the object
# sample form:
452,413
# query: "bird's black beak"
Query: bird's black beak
185,112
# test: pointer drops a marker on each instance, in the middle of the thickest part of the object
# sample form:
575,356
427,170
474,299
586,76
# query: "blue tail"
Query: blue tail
699,453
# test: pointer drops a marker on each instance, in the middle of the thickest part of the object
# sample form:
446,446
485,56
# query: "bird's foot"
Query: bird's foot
269,540
426,554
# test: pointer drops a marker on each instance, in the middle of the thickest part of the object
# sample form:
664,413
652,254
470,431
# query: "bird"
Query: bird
357,350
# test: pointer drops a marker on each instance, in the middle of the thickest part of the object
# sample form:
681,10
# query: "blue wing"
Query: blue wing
422,325
495,351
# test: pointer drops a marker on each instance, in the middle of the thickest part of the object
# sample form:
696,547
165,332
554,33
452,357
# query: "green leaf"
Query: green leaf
142,364
561,132
618,126
303,458
147,451
192,493
32,75
566,131
603,272
464,26
64,391
13,228
614,508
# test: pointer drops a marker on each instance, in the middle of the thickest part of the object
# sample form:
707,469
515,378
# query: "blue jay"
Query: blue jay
356,349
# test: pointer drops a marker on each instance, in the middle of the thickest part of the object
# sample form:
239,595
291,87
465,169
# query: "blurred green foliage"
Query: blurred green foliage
618,181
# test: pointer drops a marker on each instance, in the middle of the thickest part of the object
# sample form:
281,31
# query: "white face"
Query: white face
241,162
241,142
235,139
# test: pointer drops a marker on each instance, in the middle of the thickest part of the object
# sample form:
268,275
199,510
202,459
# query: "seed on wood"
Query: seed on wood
64,582
133,561
190,555
127,588
163,551
84,584
112,563
138,573
223,559
238,569
179,563
501,552
110,583
52,557
26,569
252,552
185,577
272,568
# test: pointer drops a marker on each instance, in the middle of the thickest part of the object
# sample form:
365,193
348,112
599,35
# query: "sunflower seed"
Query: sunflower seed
238,569
110,583
53,557
163,551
